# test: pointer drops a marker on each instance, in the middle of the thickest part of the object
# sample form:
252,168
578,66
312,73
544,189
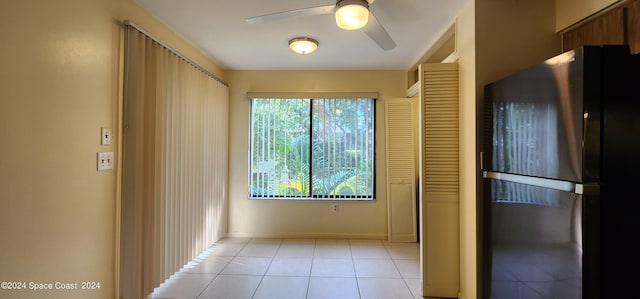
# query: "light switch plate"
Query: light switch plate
105,160
105,136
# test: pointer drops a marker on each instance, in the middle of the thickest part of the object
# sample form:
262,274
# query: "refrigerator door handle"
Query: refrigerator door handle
543,182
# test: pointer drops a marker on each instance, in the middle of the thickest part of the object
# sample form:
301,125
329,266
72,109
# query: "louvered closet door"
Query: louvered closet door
401,170
439,179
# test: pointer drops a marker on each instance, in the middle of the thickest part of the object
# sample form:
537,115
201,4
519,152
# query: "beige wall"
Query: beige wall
59,83
281,218
466,50
511,36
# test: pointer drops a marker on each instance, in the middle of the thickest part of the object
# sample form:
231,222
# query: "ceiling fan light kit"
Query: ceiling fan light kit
352,14
361,18
303,45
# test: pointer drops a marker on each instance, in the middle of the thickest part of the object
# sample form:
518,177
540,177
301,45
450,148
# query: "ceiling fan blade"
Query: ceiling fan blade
378,34
320,10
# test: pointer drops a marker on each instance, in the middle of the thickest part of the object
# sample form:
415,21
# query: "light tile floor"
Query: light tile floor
299,268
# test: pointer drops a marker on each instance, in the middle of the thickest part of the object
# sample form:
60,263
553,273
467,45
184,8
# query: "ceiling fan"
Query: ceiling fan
350,15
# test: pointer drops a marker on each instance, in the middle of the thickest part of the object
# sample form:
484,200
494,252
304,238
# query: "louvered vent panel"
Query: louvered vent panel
400,144
440,128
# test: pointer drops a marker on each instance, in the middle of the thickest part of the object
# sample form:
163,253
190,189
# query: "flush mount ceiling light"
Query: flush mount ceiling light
303,45
352,14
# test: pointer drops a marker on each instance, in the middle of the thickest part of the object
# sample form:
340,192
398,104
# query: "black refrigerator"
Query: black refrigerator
561,168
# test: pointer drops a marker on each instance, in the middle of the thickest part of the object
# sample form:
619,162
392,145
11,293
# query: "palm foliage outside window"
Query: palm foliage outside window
312,148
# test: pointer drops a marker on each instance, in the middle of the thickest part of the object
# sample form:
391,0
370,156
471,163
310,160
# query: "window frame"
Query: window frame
372,96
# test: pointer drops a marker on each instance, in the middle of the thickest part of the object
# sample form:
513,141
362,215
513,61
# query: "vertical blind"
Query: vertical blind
320,148
174,164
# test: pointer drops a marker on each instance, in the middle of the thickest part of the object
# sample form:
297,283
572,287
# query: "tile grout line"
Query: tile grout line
404,279
353,261
313,256
266,270
228,263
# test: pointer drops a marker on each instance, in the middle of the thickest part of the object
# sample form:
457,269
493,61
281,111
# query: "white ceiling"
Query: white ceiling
218,28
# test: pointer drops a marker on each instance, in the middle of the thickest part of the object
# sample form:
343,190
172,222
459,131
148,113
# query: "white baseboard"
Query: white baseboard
294,235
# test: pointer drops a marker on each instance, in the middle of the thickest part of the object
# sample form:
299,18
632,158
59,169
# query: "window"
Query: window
309,148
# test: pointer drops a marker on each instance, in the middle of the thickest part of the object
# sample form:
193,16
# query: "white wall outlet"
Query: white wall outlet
105,134
105,160
334,208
